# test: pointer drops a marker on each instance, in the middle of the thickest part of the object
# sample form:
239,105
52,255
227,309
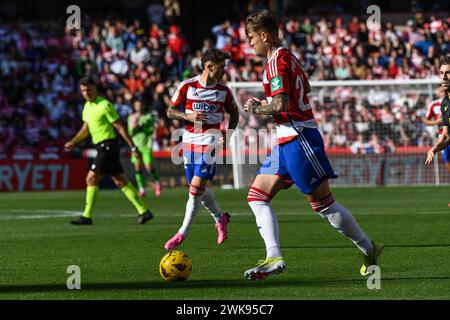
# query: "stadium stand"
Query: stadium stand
40,105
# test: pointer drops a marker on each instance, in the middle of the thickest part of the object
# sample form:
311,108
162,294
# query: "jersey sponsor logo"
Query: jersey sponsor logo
276,84
205,107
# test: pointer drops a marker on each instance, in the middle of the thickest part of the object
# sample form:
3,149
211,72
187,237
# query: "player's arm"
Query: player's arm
430,122
80,136
174,113
149,125
233,112
428,119
124,134
233,120
442,143
179,99
279,103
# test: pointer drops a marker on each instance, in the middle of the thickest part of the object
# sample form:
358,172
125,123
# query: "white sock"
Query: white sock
342,220
210,204
268,227
192,208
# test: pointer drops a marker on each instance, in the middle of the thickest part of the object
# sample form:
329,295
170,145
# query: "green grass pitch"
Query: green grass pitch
119,259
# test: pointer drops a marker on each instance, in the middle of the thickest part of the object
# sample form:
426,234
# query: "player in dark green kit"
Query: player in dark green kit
100,119
444,139
141,126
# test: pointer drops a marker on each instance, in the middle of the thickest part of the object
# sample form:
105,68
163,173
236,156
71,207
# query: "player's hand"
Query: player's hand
68,146
196,117
251,104
430,156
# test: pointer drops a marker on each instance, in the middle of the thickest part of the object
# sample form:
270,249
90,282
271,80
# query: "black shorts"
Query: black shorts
107,161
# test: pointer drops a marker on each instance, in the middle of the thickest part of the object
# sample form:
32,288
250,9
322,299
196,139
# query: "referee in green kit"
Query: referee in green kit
100,119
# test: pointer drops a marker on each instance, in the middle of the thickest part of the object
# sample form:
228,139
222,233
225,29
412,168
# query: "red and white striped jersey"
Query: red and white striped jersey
284,74
434,111
213,101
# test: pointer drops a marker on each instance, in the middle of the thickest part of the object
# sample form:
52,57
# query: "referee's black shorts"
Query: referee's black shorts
107,161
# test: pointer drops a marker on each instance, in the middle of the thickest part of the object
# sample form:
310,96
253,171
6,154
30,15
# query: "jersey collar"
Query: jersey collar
204,84
274,53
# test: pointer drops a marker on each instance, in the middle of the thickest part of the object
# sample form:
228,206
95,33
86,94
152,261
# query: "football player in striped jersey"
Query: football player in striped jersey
298,158
202,102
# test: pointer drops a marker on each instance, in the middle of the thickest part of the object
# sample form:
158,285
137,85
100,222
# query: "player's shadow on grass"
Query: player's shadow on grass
436,245
199,284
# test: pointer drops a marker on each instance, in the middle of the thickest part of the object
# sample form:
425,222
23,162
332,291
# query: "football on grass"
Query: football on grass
175,266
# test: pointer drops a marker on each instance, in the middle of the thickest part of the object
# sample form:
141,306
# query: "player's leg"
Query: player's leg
132,195
271,178
139,175
206,168
310,169
114,168
446,157
148,161
263,189
92,180
341,219
199,169
196,190
221,218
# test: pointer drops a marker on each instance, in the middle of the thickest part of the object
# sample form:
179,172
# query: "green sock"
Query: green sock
140,180
91,199
155,175
132,195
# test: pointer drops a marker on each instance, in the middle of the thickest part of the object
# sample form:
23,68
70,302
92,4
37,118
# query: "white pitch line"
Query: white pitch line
44,214
43,211
15,214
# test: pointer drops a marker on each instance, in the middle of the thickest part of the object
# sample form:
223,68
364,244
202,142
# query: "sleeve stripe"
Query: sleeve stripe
276,64
269,72
272,70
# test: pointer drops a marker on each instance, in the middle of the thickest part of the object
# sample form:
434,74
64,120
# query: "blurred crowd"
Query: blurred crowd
361,121
40,106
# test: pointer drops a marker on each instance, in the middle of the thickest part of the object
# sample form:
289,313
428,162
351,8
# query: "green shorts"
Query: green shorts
147,156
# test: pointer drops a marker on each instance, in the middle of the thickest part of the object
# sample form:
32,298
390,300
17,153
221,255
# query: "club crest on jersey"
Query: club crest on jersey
276,84
205,107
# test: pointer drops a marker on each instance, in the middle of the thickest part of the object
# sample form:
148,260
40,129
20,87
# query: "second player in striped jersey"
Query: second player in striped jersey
205,102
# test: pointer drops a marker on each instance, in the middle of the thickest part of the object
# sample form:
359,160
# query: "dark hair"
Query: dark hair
445,61
86,81
262,21
214,55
